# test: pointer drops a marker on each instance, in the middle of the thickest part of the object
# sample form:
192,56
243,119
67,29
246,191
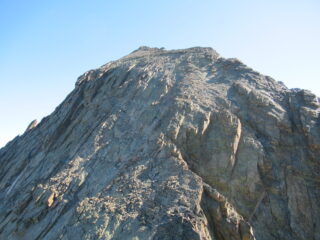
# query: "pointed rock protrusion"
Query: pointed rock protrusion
32,125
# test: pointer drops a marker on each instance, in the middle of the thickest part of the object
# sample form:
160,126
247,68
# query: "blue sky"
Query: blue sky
46,45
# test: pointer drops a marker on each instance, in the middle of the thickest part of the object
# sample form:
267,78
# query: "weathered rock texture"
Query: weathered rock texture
163,144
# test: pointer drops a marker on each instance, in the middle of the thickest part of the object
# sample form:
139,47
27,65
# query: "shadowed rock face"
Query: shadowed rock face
160,144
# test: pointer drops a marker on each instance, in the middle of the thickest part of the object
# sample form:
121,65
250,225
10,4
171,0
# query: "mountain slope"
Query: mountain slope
180,144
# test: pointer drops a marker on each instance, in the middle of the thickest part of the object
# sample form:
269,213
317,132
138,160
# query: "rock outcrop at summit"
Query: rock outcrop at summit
180,144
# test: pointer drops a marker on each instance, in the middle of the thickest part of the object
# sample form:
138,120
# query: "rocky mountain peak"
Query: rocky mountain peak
167,144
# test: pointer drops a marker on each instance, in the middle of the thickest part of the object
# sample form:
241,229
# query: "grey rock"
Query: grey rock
180,144
32,125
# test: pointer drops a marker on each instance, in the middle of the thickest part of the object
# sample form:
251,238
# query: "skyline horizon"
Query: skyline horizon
46,46
39,120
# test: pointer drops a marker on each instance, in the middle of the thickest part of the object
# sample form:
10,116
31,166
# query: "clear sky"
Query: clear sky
46,45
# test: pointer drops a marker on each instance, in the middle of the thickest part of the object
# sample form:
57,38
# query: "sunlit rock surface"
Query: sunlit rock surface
180,144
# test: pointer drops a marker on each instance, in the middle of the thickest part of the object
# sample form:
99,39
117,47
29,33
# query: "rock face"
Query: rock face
180,144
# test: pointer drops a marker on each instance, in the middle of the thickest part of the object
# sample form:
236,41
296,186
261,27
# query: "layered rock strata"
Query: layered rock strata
180,144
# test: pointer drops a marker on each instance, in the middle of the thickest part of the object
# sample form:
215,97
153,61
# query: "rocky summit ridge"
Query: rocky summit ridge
180,144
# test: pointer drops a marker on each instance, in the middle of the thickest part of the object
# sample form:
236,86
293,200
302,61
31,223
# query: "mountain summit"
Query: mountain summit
180,144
